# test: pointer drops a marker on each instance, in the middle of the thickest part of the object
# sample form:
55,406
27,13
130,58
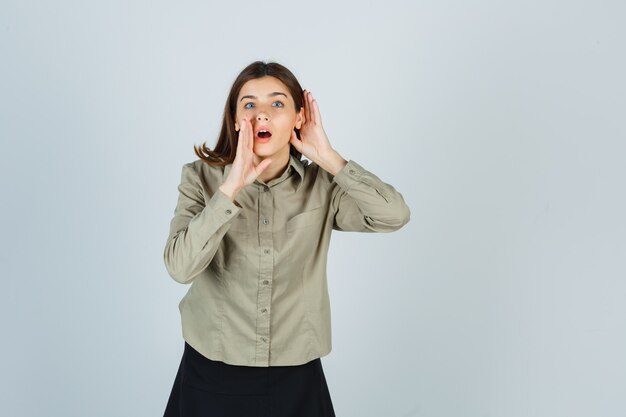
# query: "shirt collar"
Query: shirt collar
293,162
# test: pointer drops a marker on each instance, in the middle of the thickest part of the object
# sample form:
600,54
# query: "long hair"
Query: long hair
226,147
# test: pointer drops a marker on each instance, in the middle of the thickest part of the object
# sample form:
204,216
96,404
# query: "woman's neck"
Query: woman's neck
275,169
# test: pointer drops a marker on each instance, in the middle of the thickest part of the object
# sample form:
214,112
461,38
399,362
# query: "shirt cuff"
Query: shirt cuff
221,206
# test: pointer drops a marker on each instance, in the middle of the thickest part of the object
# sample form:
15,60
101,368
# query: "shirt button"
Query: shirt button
228,211
351,171
264,339
265,282
265,221
266,188
264,310
266,251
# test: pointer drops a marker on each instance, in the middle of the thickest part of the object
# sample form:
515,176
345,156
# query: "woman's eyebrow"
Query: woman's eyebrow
275,93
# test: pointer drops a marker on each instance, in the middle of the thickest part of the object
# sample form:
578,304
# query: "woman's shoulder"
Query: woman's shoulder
206,172
199,165
316,173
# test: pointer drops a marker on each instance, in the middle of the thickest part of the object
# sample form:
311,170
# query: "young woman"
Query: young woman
250,233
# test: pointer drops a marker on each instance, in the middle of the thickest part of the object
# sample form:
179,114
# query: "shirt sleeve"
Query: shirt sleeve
362,202
197,227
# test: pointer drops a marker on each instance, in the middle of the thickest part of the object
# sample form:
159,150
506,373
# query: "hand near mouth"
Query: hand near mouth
314,143
243,171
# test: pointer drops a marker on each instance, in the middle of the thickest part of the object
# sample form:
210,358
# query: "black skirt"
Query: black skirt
208,388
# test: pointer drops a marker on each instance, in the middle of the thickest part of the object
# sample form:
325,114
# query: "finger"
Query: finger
312,109
245,139
250,135
310,103
316,112
239,140
242,134
307,108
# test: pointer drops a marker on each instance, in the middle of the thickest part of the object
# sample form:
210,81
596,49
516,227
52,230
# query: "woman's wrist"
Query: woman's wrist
230,191
332,162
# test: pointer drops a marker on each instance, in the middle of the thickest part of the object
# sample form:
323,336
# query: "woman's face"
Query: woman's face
268,105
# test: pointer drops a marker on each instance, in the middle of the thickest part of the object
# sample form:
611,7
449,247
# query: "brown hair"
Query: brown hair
226,147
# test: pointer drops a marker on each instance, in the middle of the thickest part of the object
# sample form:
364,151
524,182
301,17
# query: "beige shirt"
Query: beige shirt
257,266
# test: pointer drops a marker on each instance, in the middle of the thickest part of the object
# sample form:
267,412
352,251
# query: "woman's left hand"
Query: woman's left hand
313,142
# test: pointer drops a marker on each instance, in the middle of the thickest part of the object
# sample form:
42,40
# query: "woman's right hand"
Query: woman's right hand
244,170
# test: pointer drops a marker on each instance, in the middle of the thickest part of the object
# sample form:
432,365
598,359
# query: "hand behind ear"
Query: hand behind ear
313,143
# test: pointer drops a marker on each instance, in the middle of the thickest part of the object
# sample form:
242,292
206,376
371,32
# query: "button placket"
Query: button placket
266,272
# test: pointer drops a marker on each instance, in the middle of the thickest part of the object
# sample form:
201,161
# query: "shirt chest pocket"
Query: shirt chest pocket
304,237
305,219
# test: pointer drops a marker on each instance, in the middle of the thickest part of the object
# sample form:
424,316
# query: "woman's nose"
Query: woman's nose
262,116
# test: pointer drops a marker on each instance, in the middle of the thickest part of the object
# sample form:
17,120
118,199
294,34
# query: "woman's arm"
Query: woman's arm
200,223
360,200
197,227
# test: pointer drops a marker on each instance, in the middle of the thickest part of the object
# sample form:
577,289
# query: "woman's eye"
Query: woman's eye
274,104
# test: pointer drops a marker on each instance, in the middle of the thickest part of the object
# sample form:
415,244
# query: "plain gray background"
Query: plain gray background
501,123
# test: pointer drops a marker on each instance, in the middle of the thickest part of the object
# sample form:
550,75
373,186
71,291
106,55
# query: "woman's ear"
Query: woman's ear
300,118
236,127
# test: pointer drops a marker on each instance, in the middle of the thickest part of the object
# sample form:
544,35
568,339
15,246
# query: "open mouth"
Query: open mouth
263,134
